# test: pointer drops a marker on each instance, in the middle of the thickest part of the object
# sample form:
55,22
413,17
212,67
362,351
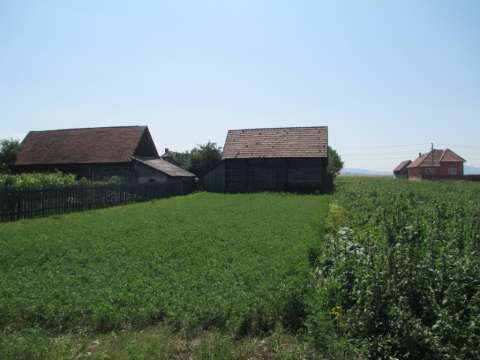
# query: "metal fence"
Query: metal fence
18,204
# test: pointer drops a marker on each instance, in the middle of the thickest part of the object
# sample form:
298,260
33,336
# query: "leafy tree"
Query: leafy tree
183,159
335,162
200,159
8,154
204,157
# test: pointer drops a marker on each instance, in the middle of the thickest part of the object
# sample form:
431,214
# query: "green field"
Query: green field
381,269
401,269
204,261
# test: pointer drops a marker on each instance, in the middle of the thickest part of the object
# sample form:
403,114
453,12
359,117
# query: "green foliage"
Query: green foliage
28,344
114,180
183,159
335,162
402,277
202,261
204,158
201,159
336,218
154,342
37,180
8,154
55,179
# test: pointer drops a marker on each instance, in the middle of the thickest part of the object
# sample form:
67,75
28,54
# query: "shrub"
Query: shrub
37,180
404,280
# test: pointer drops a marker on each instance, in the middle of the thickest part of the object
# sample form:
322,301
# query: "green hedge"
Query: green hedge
42,180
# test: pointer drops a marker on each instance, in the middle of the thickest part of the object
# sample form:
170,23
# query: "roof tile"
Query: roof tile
80,146
166,167
402,165
435,157
277,143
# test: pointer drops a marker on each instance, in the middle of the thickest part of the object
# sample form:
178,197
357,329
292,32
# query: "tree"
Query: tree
204,157
335,163
183,159
8,154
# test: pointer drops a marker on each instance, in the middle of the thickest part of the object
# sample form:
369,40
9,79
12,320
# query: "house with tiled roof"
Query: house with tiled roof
98,154
436,164
272,159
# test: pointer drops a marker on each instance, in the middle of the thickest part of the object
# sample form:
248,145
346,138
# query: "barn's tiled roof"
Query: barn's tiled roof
402,166
165,167
435,157
80,146
311,142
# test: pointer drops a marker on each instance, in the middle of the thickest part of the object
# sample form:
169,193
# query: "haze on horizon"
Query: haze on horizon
387,78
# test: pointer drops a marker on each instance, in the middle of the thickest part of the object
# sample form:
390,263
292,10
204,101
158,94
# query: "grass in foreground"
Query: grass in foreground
232,262
156,342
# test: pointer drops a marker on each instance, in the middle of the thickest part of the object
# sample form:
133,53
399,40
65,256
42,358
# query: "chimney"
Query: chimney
167,150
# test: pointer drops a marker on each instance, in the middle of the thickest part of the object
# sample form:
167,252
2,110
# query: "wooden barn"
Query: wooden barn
98,154
275,159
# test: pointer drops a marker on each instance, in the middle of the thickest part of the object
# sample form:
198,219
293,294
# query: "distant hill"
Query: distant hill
364,172
471,170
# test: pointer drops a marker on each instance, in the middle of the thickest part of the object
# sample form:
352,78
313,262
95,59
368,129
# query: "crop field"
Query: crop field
399,271
232,262
381,269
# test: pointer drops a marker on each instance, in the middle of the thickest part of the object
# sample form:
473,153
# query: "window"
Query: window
452,171
429,171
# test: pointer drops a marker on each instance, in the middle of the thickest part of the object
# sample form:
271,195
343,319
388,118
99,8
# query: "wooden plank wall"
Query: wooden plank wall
293,174
214,181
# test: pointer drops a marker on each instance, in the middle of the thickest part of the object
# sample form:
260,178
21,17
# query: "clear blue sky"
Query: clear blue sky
387,77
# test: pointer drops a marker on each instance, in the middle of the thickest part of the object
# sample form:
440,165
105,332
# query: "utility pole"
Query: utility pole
433,147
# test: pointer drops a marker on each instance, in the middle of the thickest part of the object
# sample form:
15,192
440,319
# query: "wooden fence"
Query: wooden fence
18,204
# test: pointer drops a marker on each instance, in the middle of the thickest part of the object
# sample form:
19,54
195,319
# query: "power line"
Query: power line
382,146
373,152
461,146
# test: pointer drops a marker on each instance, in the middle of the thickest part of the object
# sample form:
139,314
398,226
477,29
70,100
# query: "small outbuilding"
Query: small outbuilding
272,159
401,171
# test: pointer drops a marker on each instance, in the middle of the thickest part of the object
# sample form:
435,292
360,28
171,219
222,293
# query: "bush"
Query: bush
37,180
404,279
56,179
114,180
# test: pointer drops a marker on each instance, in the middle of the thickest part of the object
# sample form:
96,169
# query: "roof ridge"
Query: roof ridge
443,154
89,128
283,128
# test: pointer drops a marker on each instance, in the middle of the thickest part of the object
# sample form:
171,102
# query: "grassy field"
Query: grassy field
237,263
381,269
